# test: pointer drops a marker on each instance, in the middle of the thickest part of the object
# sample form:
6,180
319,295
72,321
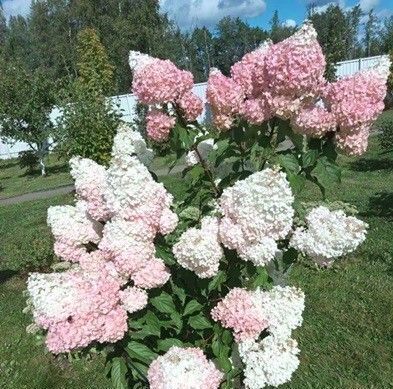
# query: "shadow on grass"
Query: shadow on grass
50,170
372,164
8,164
380,204
5,275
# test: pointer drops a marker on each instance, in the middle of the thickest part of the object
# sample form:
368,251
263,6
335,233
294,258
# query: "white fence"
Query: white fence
127,103
347,68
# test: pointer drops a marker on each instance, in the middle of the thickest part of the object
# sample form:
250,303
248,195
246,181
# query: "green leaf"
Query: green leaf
326,173
199,322
190,213
164,303
224,362
289,162
192,307
153,324
166,256
179,292
186,137
216,282
227,337
118,373
297,182
141,352
177,321
310,157
166,344
261,278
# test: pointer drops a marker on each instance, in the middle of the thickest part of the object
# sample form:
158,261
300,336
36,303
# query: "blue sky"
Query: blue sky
191,13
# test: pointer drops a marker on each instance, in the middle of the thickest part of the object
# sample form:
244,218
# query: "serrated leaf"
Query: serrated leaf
166,344
217,281
164,303
326,172
152,324
190,213
141,352
179,292
192,307
297,182
118,373
199,322
177,321
310,157
289,162
261,278
166,256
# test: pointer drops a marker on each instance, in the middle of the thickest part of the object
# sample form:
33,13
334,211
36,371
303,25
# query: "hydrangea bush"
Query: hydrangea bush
191,292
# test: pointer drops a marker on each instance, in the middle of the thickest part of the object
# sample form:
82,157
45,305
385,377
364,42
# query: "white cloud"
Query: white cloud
290,23
191,13
367,5
16,7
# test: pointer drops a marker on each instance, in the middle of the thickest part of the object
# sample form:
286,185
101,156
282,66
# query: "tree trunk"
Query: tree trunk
42,164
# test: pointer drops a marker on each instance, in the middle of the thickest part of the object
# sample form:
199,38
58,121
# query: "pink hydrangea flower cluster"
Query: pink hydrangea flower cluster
183,368
157,83
248,313
159,125
356,102
273,80
225,98
78,306
273,359
88,300
286,80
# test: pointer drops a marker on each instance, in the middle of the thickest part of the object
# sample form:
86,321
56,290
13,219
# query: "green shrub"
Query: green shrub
28,159
385,127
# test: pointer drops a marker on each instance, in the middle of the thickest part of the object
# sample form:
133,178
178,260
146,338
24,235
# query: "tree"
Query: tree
89,120
26,101
278,31
234,38
370,34
201,51
337,33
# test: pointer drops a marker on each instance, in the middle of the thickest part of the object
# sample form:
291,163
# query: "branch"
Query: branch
208,172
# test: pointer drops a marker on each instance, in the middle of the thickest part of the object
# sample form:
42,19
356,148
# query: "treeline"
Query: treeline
46,38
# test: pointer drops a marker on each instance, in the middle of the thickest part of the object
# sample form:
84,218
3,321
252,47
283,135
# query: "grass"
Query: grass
346,340
24,364
16,181
26,241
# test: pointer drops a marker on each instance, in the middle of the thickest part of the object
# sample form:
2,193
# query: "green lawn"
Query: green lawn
15,181
346,340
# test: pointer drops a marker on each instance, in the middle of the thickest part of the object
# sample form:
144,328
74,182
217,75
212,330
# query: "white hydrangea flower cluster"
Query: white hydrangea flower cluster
282,307
90,183
52,295
199,250
329,235
183,368
138,60
128,143
257,212
268,362
73,228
